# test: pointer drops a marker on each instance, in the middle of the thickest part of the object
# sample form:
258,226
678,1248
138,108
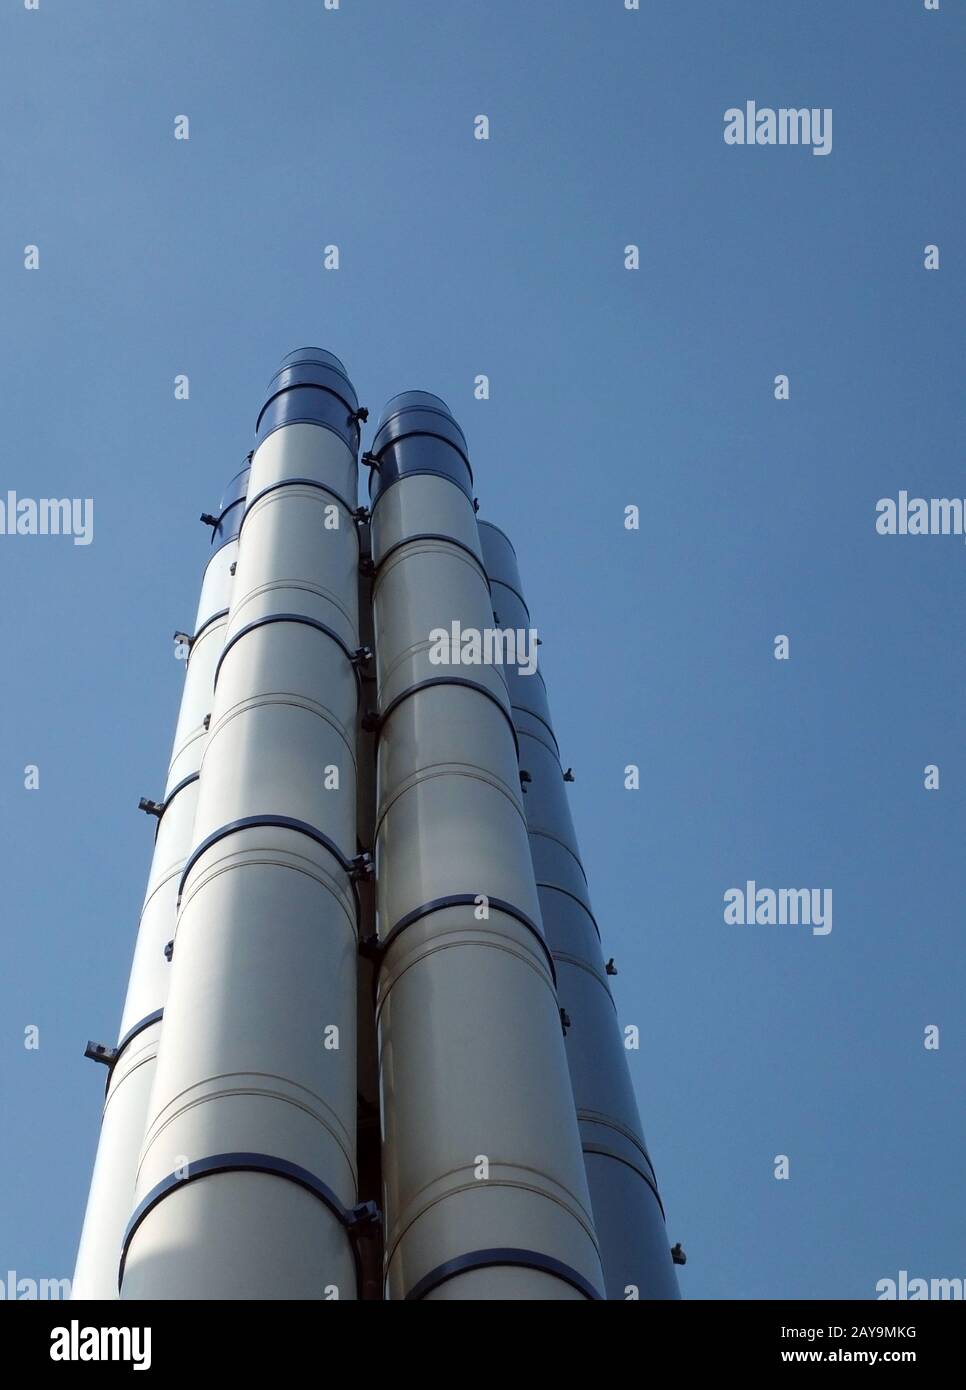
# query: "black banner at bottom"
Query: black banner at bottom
173,1338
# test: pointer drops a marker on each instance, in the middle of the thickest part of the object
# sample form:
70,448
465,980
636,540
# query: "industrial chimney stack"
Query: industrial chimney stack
369,1049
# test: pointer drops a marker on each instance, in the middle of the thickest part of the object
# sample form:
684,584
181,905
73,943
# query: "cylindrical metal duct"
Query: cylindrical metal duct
628,1214
485,1190
247,1180
132,1065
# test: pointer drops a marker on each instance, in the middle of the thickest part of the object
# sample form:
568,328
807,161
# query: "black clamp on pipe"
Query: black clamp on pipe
361,867
363,1219
101,1052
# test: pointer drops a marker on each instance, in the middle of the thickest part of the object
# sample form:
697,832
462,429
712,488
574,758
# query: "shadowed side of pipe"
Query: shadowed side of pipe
485,1191
628,1213
368,1131
247,1179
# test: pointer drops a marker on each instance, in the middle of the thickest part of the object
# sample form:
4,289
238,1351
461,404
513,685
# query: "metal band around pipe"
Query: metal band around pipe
466,900
294,482
185,782
522,709
232,1163
651,1181
487,1259
505,585
139,1027
446,680
222,613
418,473
284,618
547,835
567,893
253,823
433,536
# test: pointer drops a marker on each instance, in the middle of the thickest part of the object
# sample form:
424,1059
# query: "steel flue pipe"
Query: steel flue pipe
247,1180
485,1191
132,1070
628,1213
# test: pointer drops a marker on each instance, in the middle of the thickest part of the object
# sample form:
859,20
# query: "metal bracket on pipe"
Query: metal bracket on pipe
569,775
370,460
209,520
169,950
360,867
101,1052
610,968
158,808
363,1219
678,1255
372,721
370,948
361,514
361,655
362,414
565,1022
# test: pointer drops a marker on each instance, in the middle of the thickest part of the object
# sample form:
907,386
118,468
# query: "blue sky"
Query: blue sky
609,387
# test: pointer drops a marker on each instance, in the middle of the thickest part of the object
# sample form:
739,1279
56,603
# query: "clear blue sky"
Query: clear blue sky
609,387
